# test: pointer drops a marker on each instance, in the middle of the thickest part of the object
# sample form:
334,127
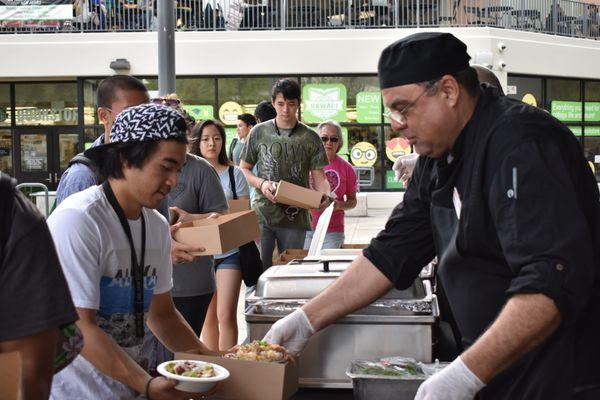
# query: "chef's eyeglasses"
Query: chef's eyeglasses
333,139
167,102
400,116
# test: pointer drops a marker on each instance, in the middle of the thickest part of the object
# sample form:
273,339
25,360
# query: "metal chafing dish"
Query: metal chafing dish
400,323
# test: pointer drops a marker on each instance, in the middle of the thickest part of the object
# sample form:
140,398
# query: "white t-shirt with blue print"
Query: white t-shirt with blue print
96,259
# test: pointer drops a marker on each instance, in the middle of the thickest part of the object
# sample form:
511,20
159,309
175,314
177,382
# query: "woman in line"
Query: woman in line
342,180
220,328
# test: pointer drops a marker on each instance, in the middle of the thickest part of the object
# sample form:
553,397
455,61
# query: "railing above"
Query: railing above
560,17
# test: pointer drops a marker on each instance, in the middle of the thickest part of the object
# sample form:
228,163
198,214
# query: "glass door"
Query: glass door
33,156
44,153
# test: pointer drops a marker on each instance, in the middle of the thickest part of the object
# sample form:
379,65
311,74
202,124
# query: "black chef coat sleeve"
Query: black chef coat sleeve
405,246
543,233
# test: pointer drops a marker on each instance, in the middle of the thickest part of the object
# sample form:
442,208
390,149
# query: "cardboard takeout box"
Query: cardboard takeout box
221,234
251,380
239,205
298,196
11,387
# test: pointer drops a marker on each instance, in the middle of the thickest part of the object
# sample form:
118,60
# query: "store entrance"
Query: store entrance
44,153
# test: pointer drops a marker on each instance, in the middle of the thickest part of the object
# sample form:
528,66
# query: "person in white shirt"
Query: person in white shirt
114,248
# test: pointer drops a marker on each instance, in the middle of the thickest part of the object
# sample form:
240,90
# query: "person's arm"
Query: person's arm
526,321
170,327
106,355
37,353
360,285
266,187
347,204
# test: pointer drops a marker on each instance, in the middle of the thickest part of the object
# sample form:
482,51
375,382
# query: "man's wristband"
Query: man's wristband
147,388
262,183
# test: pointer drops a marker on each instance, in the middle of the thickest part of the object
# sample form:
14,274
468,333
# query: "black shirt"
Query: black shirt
34,296
529,223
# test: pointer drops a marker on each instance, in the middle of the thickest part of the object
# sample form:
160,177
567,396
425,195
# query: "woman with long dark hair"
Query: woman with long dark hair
220,327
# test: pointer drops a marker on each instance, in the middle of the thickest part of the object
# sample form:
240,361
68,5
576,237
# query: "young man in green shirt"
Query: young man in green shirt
283,149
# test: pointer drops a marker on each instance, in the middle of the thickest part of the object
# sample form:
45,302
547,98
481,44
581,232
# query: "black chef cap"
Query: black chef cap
421,57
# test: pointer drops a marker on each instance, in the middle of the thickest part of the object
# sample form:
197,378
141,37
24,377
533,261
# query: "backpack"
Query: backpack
81,159
7,199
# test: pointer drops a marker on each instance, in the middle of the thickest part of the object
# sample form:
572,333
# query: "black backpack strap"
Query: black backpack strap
81,159
231,147
7,198
232,182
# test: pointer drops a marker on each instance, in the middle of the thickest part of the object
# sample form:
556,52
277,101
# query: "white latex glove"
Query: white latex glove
292,332
455,382
404,166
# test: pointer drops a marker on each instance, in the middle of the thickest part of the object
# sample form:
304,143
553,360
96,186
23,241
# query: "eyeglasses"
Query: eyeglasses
333,139
168,102
400,116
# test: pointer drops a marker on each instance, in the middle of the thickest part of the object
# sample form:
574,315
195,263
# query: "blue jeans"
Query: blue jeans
333,240
286,239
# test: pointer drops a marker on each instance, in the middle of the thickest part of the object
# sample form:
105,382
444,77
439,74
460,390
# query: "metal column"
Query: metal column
166,47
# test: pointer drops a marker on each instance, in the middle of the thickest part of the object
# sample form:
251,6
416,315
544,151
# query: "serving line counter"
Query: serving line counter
400,323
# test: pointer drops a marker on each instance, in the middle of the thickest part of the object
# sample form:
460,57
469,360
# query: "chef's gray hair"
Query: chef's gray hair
335,125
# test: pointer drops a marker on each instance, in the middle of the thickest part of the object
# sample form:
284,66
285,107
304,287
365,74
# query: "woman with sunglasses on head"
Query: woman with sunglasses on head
220,326
342,180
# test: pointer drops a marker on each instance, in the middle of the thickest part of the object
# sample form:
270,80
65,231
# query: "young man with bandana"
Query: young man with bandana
114,250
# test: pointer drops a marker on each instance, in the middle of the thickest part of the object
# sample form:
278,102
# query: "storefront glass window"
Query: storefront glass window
364,147
592,126
46,103
526,89
5,151
5,110
351,99
241,95
90,90
394,146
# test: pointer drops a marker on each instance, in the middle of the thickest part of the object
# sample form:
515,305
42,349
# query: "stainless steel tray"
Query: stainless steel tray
373,332
306,280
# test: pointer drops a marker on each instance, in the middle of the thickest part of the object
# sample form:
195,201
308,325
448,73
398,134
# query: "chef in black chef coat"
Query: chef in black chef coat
504,197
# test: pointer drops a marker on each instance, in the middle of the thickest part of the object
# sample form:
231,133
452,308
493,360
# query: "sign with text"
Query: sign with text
35,10
390,183
589,130
200,112
570,111
368,107
323,102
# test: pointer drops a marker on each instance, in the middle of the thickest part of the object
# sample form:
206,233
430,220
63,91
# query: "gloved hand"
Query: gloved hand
404,166
292,332
455,382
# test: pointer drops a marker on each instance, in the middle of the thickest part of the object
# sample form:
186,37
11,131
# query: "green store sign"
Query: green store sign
589,130
368,108
324,101
570,111
390,183
200,112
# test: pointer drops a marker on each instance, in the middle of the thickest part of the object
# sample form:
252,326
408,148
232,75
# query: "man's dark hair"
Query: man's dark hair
107,89
466,78
265,111
197,135
248,119
134,154
485,75
289,89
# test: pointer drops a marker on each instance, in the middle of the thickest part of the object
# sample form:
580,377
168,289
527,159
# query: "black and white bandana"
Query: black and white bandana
144,123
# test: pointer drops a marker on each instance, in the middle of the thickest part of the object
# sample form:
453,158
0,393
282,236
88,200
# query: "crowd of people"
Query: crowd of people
127,288
500,193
